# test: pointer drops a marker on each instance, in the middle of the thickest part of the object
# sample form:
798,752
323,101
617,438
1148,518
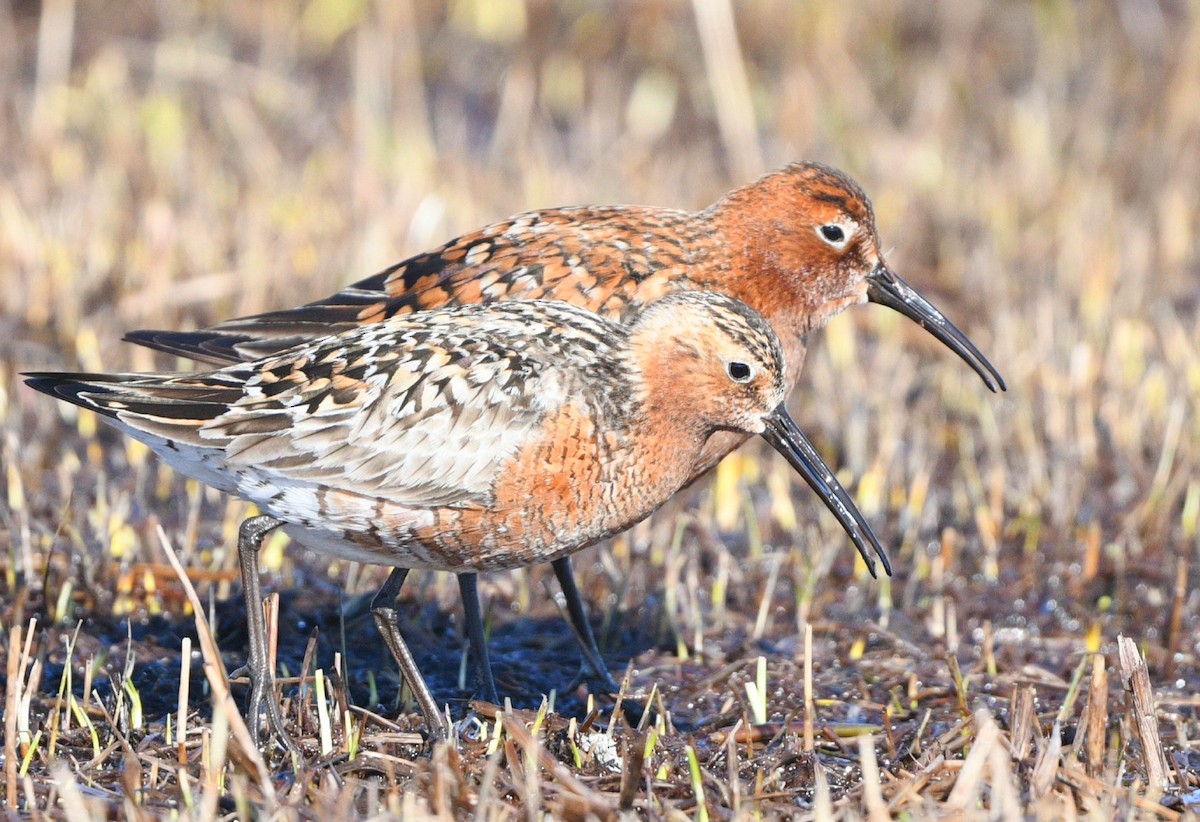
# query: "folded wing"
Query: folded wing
594,257
419,413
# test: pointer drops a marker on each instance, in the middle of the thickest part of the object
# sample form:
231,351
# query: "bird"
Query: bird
798,245
468,438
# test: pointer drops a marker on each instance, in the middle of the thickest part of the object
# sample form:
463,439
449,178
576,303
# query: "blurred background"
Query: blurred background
1034,171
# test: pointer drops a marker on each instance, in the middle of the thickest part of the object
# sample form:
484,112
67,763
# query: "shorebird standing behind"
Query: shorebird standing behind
465,439
798,245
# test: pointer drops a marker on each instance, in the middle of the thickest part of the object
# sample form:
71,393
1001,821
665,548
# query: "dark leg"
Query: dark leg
592,667
390,589
384,610
485,683
262,677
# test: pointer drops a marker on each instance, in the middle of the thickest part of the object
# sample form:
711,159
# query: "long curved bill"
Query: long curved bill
790,441
885,288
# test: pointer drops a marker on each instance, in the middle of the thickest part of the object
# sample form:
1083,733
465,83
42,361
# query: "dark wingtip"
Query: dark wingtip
48,382
205,346
143,336
68,387
43,381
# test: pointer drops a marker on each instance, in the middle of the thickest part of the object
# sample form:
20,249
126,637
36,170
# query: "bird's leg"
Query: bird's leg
384,610
485,682
592,668
262,677
591,665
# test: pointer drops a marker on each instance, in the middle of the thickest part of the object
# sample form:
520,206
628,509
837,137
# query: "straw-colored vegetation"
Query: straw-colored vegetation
1035,171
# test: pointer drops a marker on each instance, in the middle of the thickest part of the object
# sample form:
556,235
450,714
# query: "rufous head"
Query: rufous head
811,229
707,362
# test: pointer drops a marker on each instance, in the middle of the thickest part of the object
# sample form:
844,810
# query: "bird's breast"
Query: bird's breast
585,478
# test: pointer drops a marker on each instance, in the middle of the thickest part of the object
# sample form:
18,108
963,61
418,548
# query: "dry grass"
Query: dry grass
1035,167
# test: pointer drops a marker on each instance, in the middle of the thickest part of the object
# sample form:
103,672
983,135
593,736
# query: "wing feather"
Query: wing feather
420,411
595,257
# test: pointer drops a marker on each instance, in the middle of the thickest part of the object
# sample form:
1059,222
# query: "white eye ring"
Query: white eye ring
739,371
836,234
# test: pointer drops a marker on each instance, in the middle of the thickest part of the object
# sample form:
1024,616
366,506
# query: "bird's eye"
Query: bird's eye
833,233
739,371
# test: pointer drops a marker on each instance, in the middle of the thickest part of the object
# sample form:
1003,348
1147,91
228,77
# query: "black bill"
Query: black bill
885,288
790,441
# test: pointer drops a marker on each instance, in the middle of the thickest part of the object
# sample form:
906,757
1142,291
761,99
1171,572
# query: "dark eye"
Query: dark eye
833,233
739,371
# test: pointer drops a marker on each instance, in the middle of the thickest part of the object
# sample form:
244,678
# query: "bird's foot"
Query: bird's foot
262,698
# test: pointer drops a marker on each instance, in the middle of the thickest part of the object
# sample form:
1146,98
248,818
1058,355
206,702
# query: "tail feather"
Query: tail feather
224,346
261,335
122,395
204,346
167,414
80,389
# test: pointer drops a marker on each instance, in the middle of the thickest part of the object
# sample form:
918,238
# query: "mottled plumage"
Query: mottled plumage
797,245
470,438
763,244
356,439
